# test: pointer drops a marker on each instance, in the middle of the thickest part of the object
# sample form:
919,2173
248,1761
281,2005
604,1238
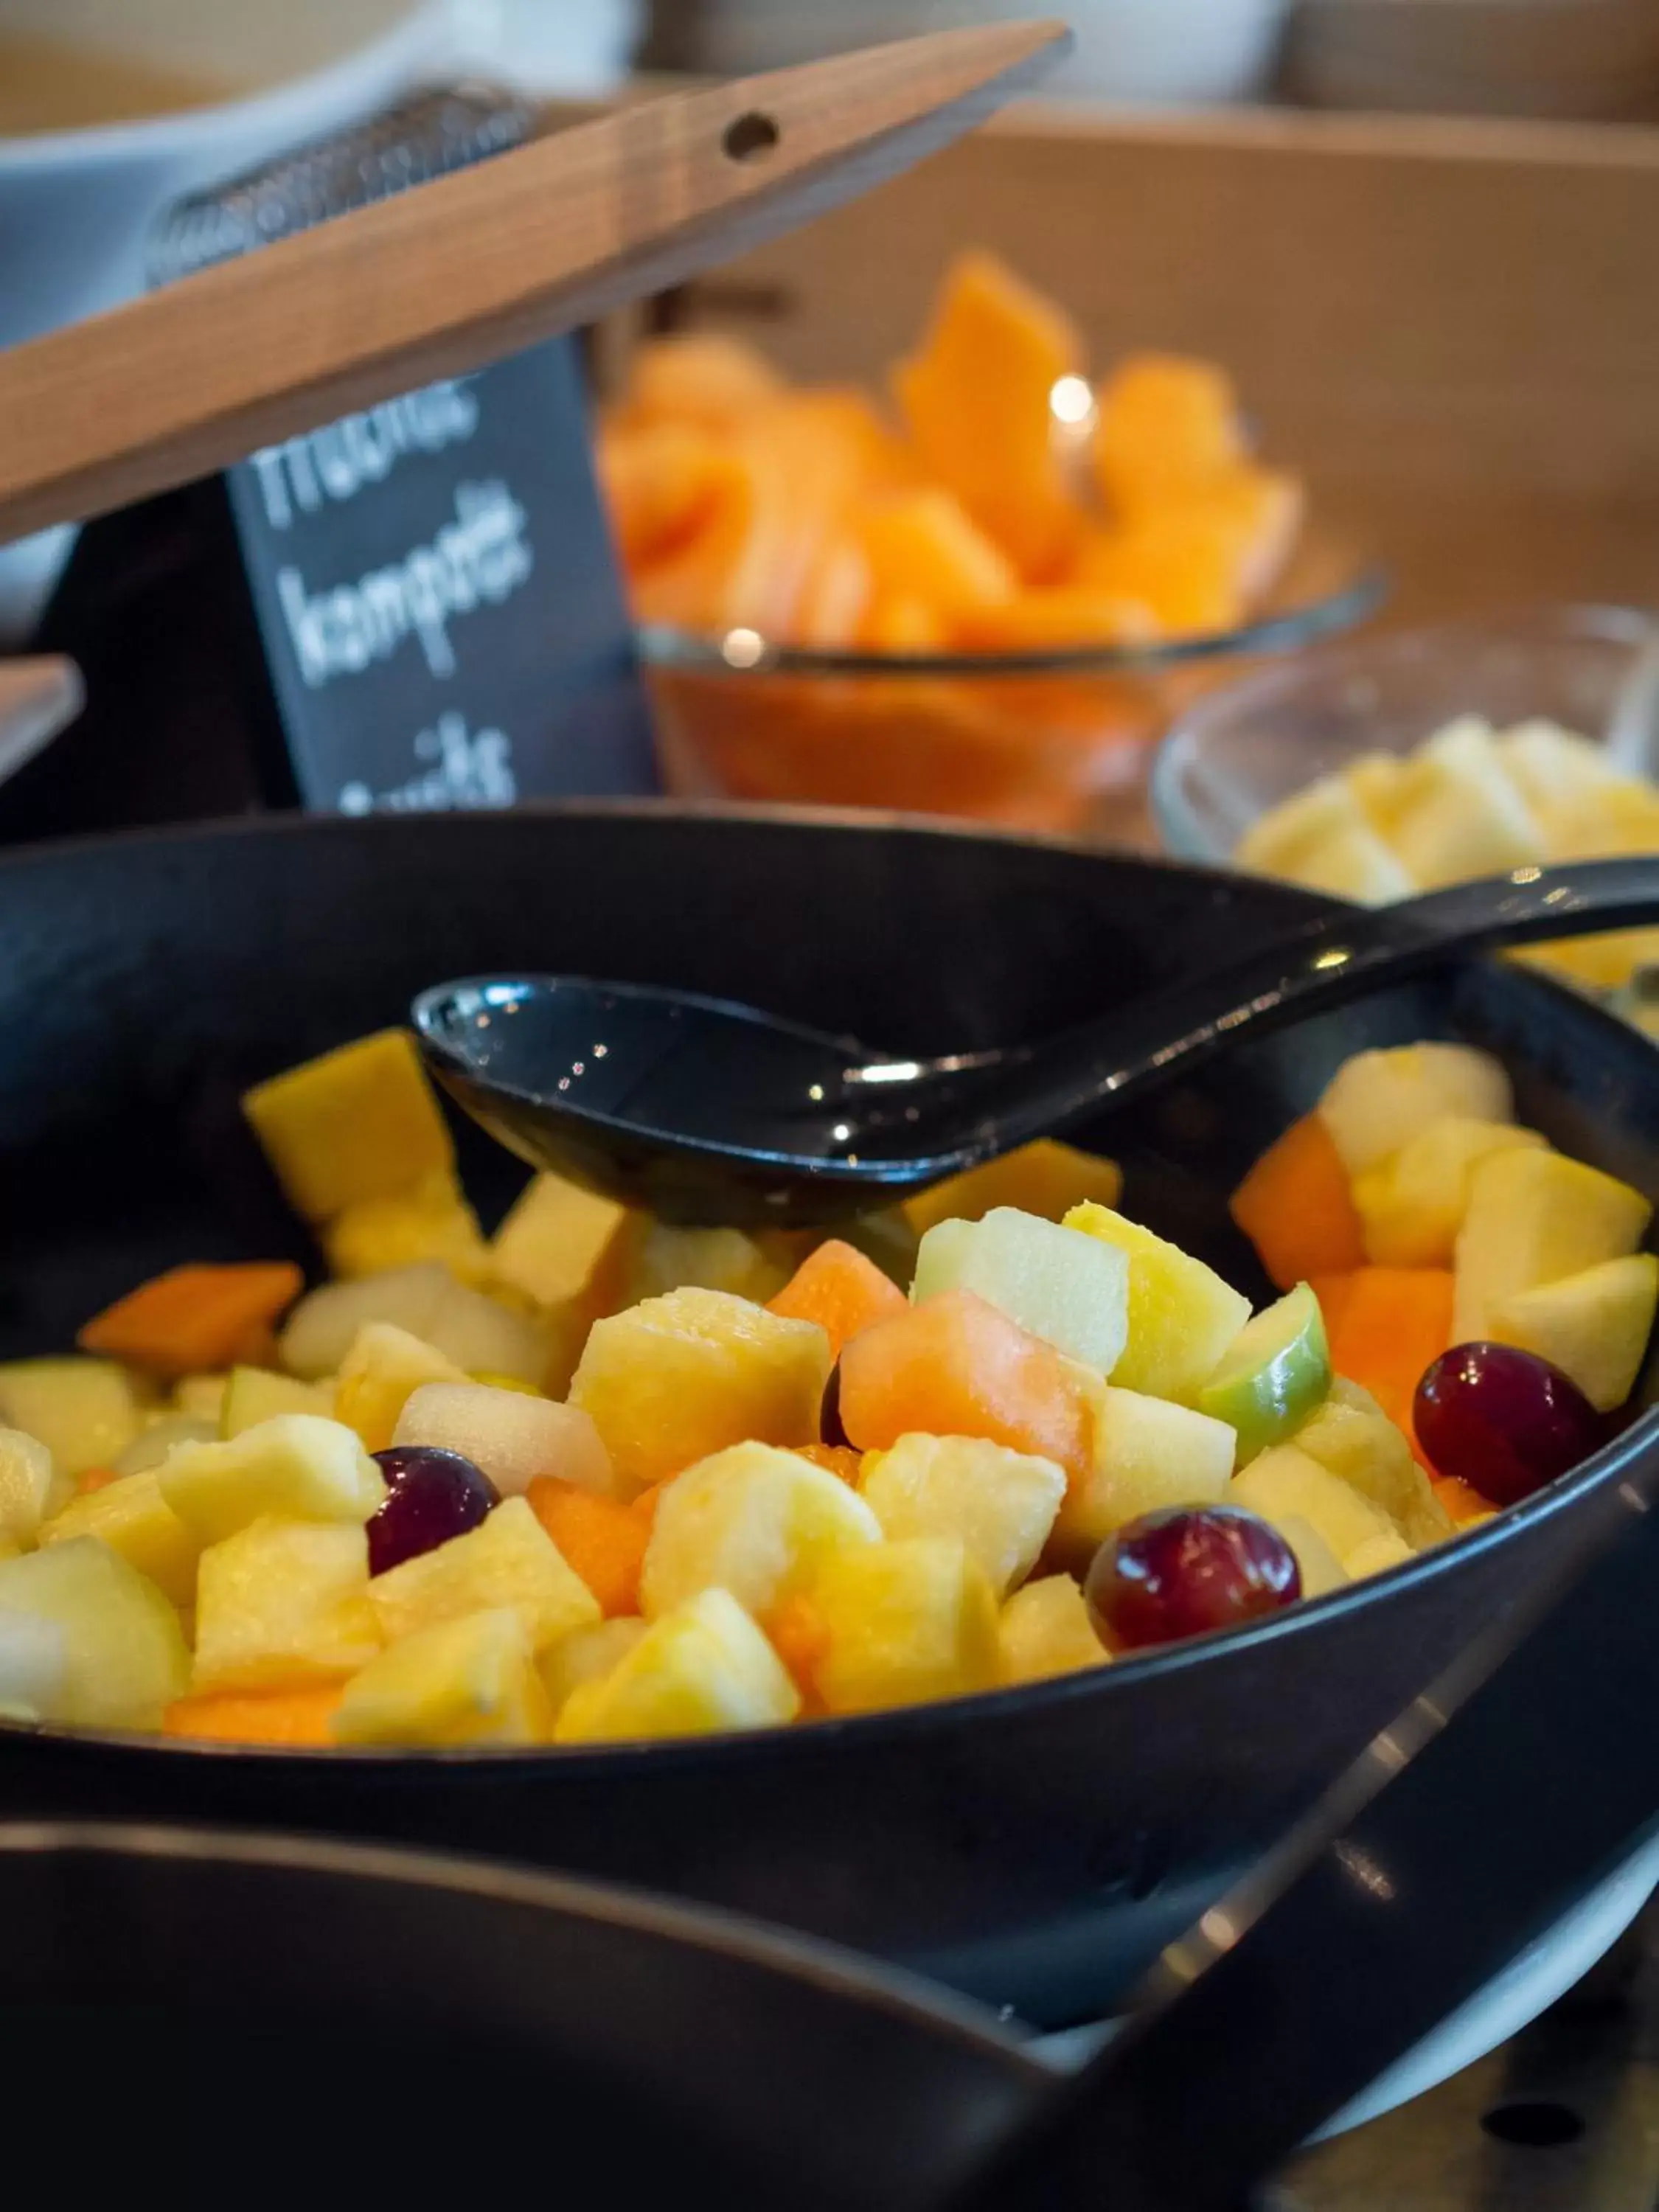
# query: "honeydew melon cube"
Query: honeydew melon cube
1412,1206
1045,1631
1378,1100
295,1467
253,1394
1286,1485
124,1655
360,1122
905,1622
1593,1326
556,1240
507,1560
472,1680
753,1520
1353,1438
514,1437
384,1367
1182,1316
322,1327
1001,1504
31,1488
1148,1454
281,1604
702,1669
133,1518
1070,1289
86,1411
586,1655
1533,1218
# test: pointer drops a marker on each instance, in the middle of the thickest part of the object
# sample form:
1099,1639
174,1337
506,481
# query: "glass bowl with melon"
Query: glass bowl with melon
983,595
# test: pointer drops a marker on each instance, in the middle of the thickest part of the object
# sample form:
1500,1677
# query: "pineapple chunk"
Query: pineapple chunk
587,1655
253,1394
383,1368
1378,1553
904,1624
321,1329
430,1221
1377,1102
84,1411
557,1240
1550,766
1148,1454
681,1377
1324,838
1353,1437
1046,1178
1001,1504
1593,1326
282,1604
1534,1218
701,1670
507,1560
33,1665
358,1123
752,1519
1317,1564
124,1655
1283,1484
1381,781
1045,1631
30,1487
296,1466
1181,1315
472,1680
1412,1205
511,1435
133,1518
667,1259
1461,815
1069,1289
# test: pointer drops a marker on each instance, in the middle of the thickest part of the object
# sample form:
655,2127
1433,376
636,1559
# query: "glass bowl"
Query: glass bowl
1241,749
1057,741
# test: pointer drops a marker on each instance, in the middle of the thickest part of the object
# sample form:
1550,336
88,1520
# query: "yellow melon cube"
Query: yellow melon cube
1045,1631
1285,1486
1461,815
1046,1178
1001,1504
282,1604
1378,1100
120,1658
754,1520
905,1622
556,1240
1412,1206
472,1680
133,1518
700,1670
296,1466
1593,1326
359,1122
431,1220
673,1380
384,1368
507,1560
1533,1218
1353,1438
1148,1454
1317,1563
1182,1316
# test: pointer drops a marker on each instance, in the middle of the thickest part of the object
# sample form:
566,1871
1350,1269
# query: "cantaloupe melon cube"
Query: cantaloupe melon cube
1353,1437
133,1518
840,1288
923,542
511,1435
508,1559
124,1659
1284,1484
1045,1178
1533,1218
1169,426
1071,1289
432,1220
1412,1205
85,1412
1593,1326
679,1377
586,1655
1001,1504
472,1680
753,1519
1182,1316
378,1374
30,1487
701,1670
1148,1454
556,1240
295,1467
1378,1100
905,1622
1045,1631
282,1604
359,1122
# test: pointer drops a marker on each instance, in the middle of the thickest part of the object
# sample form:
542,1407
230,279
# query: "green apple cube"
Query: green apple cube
1593,1326
1412,1205
253,1394
1535,1218
1148,1454
124,1659
1182,1316
296,1466
1001,1504
1353,1439
84,1411
1377,1102
1273,1376
281,1604
1069,1289
30,1487
1284,1484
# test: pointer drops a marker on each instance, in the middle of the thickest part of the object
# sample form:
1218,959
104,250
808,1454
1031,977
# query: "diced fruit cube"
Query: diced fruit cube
925,542
1377,1102
1001,1504
1071,1289
1046,1178
1285,1484
1412,1205
382,1370
323,1326
1297,1208
1276,1370
30,1487
1168,426
201,1396
253,1394
1550,766
840,1289
514,1437
703,1668
954,1366
1461,815
905,1622
295,1467
1322,838
430,1221
1353,1437
1045,1631
1181,1315
1148,1454
556,1240
485,1337
33,1665
194,1318
1533,1218
124,1659
1320,1568
674,1379
1593,1326
470,1680
603,1540
1378,1553
156,1439
133,1518
1386,1325
753,1520
587,1655
359,1122
84,1411
298,1719
510,1560
665,1258
282,1604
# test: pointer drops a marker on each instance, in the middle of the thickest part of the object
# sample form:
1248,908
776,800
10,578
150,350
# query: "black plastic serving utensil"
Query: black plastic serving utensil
708,1112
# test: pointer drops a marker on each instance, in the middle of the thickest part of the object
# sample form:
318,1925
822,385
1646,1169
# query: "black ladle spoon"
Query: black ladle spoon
704,1111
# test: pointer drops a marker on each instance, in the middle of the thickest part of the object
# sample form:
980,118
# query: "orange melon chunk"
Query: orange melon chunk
602,1538
660,481
925,545
191,1320
1050,618
697,377
1167,425
840,1290
1295,1207
297,1717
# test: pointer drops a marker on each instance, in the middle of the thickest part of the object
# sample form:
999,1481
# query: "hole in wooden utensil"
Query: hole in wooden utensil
750,135
1534,2123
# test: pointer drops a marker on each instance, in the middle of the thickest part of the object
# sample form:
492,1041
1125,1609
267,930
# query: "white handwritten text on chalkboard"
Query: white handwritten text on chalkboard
344,456
472,770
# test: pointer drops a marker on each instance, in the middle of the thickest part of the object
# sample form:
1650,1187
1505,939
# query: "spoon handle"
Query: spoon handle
1071,1075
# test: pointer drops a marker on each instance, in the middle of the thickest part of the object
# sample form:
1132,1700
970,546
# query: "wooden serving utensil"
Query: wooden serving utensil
454,273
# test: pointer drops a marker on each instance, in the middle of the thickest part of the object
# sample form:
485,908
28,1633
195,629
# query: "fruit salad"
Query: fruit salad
596,1479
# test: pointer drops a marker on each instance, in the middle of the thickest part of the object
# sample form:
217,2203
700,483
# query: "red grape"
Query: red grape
431,1496
1503,1421
1187,1570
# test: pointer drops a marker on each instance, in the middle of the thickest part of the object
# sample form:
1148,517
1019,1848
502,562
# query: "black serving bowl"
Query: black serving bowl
1035,1847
